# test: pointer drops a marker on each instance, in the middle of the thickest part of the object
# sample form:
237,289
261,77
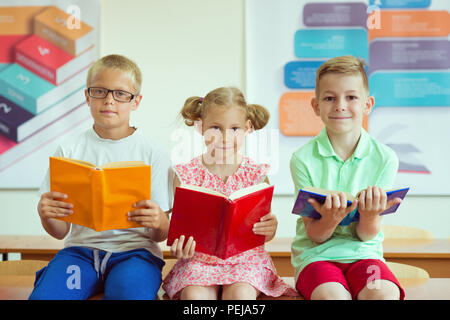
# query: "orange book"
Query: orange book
101,195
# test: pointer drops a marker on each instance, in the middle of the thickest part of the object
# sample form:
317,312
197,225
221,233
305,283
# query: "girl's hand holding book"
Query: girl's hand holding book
178,251
266,227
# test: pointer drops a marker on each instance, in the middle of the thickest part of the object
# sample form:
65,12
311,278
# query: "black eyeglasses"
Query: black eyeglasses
118,95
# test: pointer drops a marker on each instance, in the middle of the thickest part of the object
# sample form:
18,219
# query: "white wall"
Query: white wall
184,48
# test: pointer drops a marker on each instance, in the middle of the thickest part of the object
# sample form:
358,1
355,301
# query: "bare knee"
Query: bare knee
199,293
380,290
330,291
239,291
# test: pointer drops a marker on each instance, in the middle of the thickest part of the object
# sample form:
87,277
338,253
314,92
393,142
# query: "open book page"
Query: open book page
123,164
81,162
245,191
118,164
327,192
201,189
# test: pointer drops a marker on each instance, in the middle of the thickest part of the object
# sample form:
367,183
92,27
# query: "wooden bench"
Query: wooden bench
20,287
432,255
17,279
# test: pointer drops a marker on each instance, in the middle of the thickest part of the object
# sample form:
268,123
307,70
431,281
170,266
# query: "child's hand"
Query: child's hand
266,227
49,206
177,248
373,201
148,214
334,208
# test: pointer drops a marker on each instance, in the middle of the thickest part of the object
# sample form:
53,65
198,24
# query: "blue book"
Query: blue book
32,93
303,208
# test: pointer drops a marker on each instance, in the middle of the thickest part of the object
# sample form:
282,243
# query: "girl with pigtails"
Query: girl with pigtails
224,118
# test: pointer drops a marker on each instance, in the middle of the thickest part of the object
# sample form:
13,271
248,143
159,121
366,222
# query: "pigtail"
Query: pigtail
192,110
258,115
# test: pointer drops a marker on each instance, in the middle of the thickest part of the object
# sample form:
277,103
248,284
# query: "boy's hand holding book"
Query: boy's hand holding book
148,214
52,207
373,201
317,203
335,208
49,206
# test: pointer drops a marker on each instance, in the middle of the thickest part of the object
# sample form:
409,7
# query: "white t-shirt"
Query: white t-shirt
90,147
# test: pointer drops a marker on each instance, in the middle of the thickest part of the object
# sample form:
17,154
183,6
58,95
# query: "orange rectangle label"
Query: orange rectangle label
417,23
296,116
58,21
18,20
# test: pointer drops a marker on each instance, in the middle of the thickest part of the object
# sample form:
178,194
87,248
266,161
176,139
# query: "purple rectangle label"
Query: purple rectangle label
11,117
409,54
335,14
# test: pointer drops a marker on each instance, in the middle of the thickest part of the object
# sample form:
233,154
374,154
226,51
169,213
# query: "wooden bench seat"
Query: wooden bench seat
20,287
432,255
17,279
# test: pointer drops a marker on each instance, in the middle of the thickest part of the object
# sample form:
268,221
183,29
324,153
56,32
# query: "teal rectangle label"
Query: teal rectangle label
329,43
23,87
415,89
400,4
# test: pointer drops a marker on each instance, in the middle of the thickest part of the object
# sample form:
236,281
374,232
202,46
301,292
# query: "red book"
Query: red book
220,225
50,62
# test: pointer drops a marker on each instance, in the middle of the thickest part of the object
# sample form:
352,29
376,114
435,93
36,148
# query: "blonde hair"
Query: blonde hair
195,107
122,63
344,65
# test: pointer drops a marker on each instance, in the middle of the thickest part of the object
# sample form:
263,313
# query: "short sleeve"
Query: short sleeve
299,174
192,173
387,177
263,171
180,172
162,175
45,185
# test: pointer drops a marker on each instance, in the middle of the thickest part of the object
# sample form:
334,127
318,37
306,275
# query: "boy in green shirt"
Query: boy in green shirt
334,259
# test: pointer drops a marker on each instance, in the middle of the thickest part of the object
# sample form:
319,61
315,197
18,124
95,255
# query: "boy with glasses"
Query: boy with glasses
126,263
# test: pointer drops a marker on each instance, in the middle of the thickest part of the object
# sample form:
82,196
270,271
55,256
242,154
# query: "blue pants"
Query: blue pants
77,273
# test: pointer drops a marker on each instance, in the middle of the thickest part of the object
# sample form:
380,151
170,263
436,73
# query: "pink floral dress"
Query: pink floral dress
254,266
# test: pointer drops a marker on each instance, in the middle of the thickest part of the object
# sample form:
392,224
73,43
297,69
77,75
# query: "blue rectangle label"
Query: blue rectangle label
407,4
301,74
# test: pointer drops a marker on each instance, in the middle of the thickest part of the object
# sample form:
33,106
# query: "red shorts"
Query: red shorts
353,276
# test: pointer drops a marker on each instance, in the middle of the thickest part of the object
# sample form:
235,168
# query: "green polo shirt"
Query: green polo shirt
316,164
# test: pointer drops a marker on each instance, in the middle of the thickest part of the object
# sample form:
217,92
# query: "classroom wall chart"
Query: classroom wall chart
45,53
406,46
